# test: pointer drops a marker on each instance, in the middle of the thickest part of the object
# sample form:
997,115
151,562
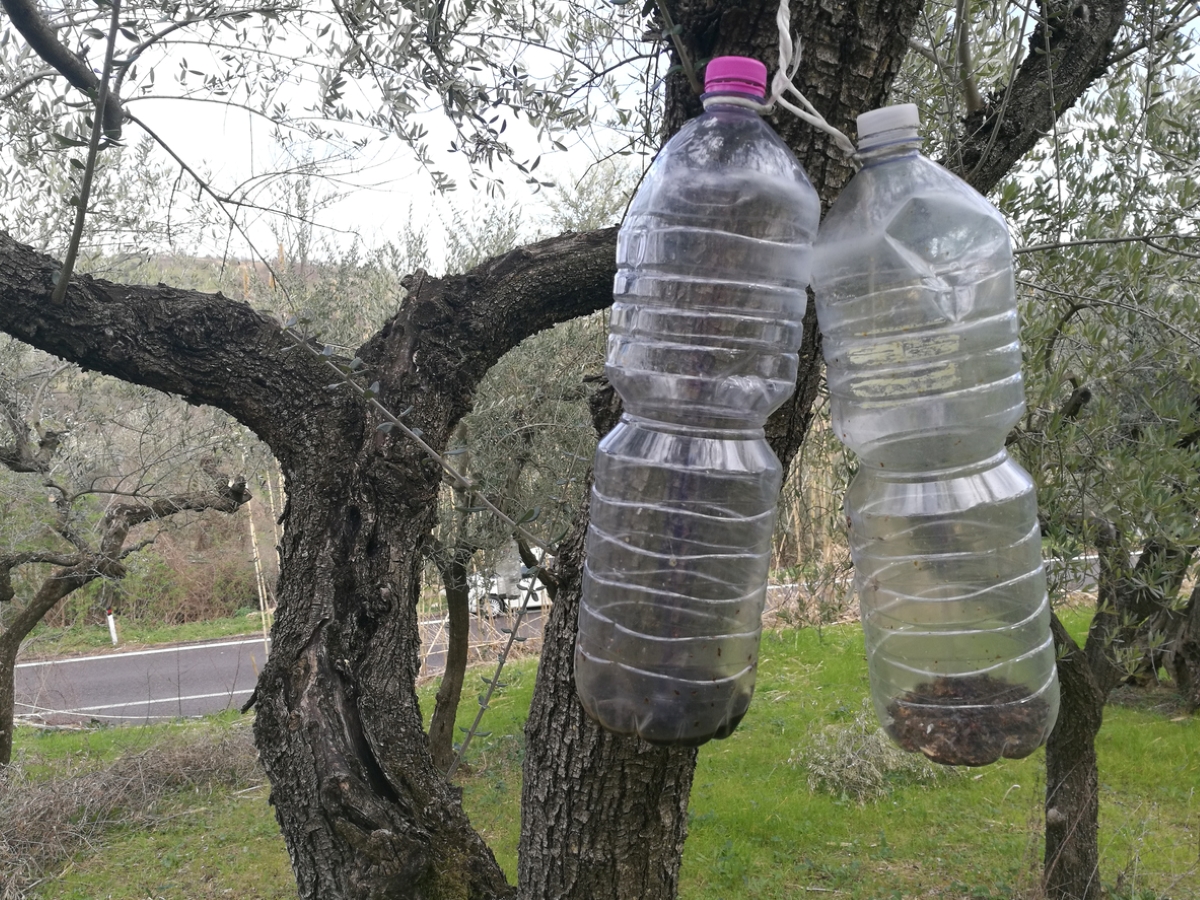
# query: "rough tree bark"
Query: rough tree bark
363,809
1072,853
1126,598
1185,657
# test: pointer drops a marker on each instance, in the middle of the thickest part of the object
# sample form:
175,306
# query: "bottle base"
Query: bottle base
683,735
662,710
969,721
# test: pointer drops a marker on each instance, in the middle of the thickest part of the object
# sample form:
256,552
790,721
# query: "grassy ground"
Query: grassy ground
801,801
163,811
78,639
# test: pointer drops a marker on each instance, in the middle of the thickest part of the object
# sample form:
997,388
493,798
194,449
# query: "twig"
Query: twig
207,189
25,82
1115,304
684,59
1155,36
85,185
963,41
1123,239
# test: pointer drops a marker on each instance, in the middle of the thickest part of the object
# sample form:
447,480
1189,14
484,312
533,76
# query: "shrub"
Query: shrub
857,761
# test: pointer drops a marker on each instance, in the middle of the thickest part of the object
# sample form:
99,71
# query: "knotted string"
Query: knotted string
790,53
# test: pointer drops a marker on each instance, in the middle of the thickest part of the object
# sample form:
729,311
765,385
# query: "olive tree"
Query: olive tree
363,809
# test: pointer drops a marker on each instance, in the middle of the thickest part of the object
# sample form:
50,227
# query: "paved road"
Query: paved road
187,680
140,686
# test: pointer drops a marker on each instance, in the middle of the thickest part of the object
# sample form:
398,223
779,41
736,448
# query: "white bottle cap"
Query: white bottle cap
888,118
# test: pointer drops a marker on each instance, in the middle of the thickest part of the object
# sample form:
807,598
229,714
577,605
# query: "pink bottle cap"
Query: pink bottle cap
737,75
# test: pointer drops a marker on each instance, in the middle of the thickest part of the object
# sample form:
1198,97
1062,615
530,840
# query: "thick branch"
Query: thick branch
22,456
122,518
457,327
45,43
1080,39
204,347
10,561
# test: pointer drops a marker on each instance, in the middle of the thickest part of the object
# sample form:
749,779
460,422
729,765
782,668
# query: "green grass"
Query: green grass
207,834
46,641
212,846
756,830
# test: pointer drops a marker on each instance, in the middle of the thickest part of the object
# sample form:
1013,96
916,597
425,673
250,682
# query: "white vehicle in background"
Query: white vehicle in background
493,596
506,588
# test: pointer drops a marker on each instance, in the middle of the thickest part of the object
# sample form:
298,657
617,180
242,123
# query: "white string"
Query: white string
789,64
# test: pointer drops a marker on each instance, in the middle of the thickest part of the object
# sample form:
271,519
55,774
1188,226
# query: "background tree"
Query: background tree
93,523
1108,264
362,807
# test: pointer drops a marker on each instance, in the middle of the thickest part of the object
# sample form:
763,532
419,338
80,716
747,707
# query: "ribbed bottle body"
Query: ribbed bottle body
949,574
713,261
678,552
916,302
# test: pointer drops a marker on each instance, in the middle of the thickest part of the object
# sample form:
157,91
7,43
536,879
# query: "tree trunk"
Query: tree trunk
1127,597
59,585
1072,857
453,568
1185,653
8,665
603,816
364,810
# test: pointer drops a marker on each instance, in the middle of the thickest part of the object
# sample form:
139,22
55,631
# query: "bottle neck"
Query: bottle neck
730,101
889,145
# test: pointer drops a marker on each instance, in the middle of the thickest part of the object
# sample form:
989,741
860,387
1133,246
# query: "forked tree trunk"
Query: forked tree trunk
365,810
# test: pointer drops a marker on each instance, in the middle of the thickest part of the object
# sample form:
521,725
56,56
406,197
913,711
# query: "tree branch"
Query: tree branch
1121,239
227,495
10,561
963,44
27,81
204,347
1079,37
45,43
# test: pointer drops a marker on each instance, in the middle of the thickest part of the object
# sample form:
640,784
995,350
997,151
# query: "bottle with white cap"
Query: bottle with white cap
713,260
913,281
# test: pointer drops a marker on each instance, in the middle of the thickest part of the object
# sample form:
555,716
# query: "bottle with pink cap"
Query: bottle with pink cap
713,260
915,296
